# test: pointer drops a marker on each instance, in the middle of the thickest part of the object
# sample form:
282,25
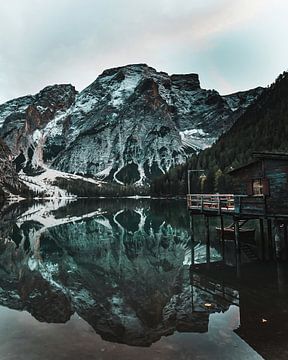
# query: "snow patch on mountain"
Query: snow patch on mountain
55,126
196,139
104,173
43,187
125,89
84,103
43,184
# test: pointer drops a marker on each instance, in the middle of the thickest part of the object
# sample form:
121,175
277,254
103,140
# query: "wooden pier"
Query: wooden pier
242,208
211,203
261,194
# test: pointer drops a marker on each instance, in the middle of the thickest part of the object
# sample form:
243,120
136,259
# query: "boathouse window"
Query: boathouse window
258,187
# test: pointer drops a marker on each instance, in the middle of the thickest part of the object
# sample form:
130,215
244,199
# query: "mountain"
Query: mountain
130,125
262,127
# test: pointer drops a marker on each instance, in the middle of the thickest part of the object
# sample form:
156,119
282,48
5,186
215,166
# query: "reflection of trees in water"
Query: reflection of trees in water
173,212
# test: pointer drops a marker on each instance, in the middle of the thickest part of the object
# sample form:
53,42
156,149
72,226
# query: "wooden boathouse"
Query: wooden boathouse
261,193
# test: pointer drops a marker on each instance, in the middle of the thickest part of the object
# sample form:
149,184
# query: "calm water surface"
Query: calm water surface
116,279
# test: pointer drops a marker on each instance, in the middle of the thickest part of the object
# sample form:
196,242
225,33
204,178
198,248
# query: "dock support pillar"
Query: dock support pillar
222,237
237,235
281,278
192,240
270,239
237,246
207,240
262,239
285,242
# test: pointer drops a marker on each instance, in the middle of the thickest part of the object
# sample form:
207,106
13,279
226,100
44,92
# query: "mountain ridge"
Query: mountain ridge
130,125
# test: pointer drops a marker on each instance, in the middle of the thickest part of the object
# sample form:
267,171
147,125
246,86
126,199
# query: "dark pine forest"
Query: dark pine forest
263,127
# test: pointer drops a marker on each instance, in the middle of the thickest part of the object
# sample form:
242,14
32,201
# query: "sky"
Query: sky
232,45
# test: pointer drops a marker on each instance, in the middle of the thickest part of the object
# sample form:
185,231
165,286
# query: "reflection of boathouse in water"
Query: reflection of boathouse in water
261,193
263,323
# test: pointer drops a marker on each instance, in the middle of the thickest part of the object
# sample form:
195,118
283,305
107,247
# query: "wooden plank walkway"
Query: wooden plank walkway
217,204
241,206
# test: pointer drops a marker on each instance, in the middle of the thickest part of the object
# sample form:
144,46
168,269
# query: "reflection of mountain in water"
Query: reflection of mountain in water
118,264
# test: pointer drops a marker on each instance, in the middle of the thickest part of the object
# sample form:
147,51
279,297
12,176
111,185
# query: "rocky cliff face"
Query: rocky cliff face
129,125
24,119
9,182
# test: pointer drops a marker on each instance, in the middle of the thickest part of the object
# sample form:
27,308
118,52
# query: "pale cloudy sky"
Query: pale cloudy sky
232,44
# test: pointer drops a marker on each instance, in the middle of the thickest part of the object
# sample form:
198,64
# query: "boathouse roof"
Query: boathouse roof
259,156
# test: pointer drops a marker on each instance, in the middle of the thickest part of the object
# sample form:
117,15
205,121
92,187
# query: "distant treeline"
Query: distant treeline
263,127
87,189
22,191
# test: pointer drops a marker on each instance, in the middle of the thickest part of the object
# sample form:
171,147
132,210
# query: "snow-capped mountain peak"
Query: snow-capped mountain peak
131,124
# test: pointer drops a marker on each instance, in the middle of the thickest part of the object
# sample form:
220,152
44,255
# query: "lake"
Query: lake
123,278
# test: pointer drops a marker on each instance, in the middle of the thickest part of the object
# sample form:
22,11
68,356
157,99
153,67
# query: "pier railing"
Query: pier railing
211,202
226,203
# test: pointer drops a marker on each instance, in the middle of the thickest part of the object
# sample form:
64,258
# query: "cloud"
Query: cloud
75,40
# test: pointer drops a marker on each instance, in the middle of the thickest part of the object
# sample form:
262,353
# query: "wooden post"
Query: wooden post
207,240
237,246
222,237
237,235
238,265
270,240
285,242
192,243
277,236
281,279
262,238
239,210
192,294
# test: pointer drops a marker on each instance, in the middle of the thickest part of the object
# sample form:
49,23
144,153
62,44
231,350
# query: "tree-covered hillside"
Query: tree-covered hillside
263,127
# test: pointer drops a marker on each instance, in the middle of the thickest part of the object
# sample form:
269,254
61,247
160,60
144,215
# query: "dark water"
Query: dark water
112,279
